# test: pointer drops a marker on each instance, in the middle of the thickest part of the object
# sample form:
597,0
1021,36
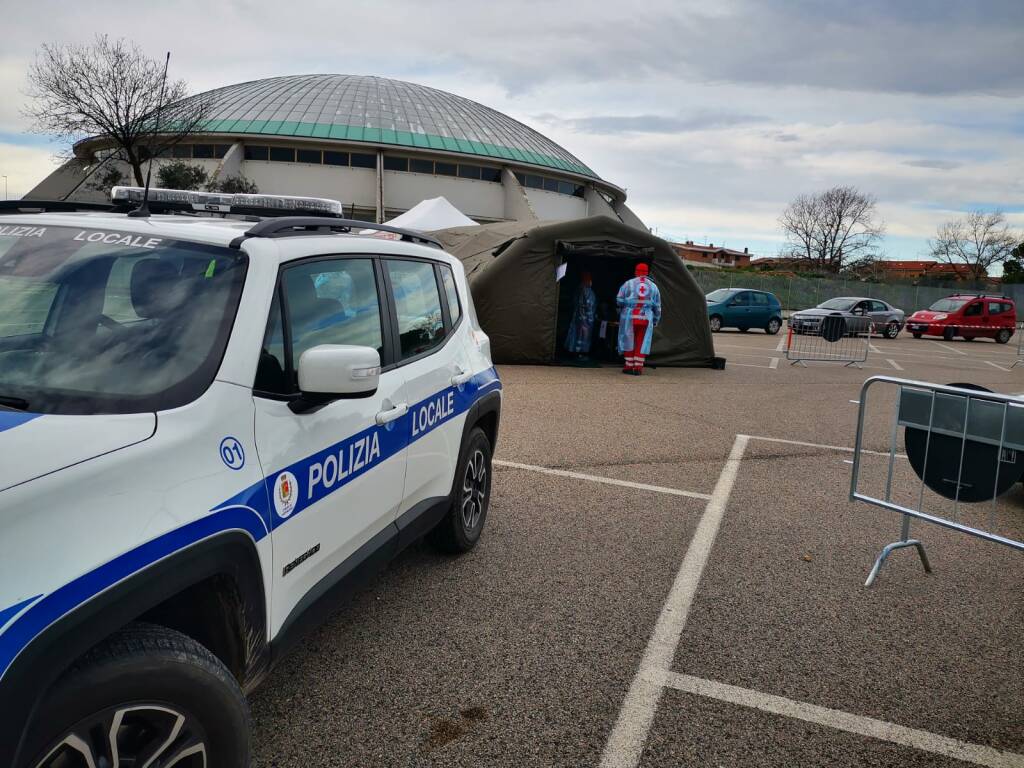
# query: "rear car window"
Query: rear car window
418,304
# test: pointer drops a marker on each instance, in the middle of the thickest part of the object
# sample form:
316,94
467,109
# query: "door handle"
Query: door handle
391,414
460,377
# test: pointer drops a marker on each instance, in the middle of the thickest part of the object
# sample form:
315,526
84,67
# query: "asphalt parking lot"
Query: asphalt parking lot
672,575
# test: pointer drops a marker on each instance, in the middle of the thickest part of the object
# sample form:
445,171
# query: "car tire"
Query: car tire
949,334
1003,335
716,323
917,335
460,529
773,326
153,692
892,330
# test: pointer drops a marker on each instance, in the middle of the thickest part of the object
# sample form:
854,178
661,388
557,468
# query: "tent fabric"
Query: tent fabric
511,271
435,213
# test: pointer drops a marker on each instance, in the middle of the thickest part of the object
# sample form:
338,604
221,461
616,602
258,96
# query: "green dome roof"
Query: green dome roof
382,111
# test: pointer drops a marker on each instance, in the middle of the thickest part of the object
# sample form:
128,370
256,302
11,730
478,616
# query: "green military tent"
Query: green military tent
512,270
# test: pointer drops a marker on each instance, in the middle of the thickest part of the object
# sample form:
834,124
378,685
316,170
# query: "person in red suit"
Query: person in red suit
639,303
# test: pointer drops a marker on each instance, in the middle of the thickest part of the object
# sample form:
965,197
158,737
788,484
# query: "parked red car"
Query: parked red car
969,316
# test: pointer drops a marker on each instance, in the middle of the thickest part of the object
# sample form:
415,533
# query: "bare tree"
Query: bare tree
111,90
832,227
978,241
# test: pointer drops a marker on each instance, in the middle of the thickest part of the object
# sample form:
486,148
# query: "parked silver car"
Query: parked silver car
861,314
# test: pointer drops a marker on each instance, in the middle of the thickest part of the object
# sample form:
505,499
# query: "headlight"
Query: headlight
940,317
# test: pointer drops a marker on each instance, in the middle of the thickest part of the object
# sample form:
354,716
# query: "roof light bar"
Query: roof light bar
215,202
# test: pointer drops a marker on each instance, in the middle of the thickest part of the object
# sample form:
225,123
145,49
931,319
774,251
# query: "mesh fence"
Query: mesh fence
802,292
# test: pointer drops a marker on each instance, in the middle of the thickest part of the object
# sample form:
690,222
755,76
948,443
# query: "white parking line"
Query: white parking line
945,346
774,363
599,479
994,365
782,344
845,721
626,742
842,448
894,364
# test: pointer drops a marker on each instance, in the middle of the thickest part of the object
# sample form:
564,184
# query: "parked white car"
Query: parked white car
210,429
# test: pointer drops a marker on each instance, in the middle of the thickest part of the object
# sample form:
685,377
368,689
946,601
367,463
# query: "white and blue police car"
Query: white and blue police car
210,428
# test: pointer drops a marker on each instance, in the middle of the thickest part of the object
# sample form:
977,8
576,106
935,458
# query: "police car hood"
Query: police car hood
33,445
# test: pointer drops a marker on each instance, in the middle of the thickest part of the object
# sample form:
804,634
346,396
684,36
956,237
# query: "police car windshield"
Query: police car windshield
109,322
948,305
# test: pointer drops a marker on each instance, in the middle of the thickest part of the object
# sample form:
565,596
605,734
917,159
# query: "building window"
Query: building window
219,150
361,160
335,158
534,182
445,169
308,156
181,151
579,190
469,171
257,153
490,174
551,185
521,178
421,166
396,163
202,151
282,154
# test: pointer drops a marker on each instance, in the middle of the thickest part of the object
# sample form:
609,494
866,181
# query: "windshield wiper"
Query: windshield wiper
16,403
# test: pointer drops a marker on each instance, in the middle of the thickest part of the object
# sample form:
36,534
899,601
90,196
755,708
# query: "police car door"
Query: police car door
334,474
434,363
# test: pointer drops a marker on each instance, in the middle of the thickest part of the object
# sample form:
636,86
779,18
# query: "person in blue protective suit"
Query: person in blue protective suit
581,327
639,303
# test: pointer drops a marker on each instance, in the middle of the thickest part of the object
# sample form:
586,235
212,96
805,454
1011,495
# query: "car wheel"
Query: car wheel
460,529
892,330
917,335
146,696
949,334
773,326
716,323
1003,336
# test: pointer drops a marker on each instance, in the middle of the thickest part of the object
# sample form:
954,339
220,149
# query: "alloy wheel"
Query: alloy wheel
474,490
131,736
716,324
892,330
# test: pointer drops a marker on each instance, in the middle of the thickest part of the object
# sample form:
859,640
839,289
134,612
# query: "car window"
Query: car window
975,309
109,322
840,305
877,306
759,299
741,299
332,301
719,295
947,305
418,304
453,295
998,307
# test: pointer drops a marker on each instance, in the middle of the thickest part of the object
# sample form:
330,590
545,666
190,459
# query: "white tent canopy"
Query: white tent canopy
429,215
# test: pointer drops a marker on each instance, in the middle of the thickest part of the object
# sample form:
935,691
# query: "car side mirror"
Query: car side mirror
335,371
858,311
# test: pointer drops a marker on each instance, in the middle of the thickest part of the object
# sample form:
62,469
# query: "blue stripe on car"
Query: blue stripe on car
249,510
12,419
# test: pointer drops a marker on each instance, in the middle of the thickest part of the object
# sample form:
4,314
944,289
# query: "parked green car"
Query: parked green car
744,309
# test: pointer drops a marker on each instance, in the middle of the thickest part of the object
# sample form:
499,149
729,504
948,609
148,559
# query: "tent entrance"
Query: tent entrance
610,264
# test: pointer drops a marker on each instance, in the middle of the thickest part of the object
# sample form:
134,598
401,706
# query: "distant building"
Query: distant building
711,255
783,264
932,270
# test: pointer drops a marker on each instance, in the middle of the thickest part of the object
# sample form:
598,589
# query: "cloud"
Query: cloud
939,165
609,124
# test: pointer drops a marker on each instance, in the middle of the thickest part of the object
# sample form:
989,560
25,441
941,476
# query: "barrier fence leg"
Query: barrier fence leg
905,541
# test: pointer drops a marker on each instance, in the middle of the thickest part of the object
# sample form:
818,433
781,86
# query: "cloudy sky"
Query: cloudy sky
713,115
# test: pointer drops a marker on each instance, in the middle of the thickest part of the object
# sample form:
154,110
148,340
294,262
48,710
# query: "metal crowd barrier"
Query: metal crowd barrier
1020,345
832,339
951,454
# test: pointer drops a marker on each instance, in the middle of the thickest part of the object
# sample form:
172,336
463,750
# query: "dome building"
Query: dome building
380,146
